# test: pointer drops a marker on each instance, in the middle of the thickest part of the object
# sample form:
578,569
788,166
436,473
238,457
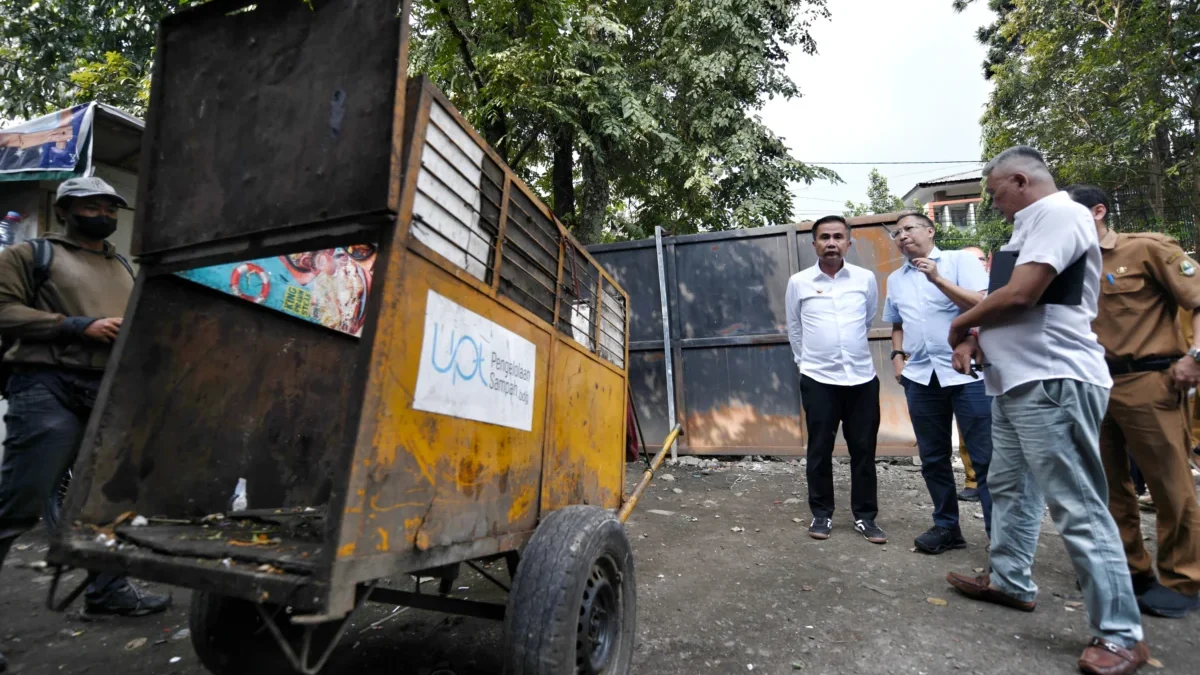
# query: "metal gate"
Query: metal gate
737,388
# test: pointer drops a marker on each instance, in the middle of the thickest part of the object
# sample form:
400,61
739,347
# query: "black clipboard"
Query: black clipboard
1066,289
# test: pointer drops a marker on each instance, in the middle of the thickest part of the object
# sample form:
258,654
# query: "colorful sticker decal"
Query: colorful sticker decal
328,287
473,368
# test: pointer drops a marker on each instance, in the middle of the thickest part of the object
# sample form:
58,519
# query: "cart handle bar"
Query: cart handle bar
632,500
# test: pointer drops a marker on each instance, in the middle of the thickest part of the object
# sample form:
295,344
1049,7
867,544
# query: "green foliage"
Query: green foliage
879,198
1109,90
57,53
628,115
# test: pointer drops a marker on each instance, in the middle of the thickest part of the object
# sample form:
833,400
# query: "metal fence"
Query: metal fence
737,387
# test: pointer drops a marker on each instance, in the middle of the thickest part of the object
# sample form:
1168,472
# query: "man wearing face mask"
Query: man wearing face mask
64,318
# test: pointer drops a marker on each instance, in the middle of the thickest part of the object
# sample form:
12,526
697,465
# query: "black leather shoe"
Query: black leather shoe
968,495
938,539
1164,602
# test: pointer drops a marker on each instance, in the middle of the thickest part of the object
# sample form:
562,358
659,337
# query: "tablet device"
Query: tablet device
1066,289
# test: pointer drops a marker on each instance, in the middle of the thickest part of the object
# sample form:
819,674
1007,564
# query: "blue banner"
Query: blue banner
50,143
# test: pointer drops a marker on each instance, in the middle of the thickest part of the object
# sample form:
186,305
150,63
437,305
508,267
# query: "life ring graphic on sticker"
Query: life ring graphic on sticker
258,295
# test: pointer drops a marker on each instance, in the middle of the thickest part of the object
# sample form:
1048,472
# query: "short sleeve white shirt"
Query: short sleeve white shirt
1048,342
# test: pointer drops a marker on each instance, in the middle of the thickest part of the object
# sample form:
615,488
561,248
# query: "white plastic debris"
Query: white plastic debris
139,521
241,500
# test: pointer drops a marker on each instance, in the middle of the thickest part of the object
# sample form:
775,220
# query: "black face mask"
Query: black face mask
94,227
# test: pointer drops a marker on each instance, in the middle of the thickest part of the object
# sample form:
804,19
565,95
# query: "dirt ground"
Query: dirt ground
728,582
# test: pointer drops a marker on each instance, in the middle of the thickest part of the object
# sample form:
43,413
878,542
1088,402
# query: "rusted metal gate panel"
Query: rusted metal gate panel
737,388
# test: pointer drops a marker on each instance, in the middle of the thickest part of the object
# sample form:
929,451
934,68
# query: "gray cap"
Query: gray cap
87,187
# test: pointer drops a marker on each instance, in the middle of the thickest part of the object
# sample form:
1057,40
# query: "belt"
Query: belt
1145,365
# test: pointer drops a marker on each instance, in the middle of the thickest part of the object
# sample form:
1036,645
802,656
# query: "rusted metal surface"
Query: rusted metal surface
208,390
736,383
276,116
584,460
427,489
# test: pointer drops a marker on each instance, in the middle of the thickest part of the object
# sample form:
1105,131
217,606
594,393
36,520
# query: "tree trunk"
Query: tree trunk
562,174
1160,148
594,204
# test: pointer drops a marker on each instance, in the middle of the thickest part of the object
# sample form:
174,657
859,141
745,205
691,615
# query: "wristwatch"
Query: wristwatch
1195,354
905,354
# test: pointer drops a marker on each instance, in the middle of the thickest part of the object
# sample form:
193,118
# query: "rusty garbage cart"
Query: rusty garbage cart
359,351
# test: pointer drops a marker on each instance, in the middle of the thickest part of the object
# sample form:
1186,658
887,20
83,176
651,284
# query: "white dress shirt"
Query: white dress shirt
828,318
1048,342
926,314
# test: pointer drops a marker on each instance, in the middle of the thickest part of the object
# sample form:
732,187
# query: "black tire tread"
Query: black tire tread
541,612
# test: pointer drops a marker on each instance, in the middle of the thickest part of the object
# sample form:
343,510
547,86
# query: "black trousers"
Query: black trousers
856,409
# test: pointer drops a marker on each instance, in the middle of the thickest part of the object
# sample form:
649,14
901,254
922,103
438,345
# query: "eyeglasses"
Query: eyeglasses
895,234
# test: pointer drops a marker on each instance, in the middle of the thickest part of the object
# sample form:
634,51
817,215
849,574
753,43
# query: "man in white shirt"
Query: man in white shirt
830,307
923,297
1051,384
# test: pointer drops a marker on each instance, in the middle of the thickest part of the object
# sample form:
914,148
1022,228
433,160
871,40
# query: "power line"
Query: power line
948,161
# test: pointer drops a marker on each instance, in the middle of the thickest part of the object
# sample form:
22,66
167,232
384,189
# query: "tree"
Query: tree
628,115
1109,90
57,53
879,198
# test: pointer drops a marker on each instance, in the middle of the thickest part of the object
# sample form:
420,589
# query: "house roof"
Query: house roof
970,176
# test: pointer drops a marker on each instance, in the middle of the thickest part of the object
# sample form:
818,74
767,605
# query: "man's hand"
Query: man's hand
928,267
1186,373
103,330
958,333
898,365
963,353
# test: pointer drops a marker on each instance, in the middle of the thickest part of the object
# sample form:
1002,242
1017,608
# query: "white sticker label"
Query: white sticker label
473,368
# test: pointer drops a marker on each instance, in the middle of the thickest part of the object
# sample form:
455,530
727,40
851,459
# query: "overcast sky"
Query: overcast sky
893,80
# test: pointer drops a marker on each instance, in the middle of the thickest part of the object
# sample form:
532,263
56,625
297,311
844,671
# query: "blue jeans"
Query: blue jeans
1046,450
930,408
45,426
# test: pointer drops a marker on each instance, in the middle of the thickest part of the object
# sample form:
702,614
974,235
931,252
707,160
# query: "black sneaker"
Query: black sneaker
968,495
122,598
869,530
938,539
1169,604
820,528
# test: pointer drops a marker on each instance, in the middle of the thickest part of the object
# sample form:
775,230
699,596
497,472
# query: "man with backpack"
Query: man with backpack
61,302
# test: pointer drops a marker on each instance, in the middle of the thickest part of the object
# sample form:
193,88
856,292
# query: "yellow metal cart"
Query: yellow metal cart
408,364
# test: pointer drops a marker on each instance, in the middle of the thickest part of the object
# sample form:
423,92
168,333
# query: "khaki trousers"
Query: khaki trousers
1148,420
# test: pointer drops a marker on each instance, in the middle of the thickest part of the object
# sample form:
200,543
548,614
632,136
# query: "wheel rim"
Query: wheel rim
599,629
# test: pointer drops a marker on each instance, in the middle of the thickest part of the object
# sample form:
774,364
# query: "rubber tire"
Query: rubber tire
230,637
544,605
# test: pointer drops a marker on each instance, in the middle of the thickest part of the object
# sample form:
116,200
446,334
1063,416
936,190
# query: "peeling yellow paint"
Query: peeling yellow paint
520,506
383,540
347,550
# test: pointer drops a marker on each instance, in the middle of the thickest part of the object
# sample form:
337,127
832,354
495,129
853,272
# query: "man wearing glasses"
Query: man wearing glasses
927,293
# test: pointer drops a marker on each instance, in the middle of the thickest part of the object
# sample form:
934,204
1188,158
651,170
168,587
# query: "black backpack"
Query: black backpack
43,256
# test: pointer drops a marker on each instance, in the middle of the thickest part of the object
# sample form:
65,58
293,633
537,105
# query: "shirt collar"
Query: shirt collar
1109,241
817,273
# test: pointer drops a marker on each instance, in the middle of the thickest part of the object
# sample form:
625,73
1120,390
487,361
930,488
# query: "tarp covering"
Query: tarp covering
50,147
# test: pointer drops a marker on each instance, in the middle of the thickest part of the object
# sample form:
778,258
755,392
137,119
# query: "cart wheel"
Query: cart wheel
231,638
573,603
